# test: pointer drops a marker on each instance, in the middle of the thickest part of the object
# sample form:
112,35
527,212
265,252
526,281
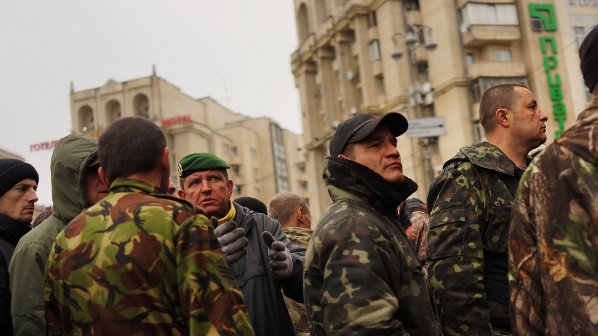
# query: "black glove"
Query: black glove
281,262
233,242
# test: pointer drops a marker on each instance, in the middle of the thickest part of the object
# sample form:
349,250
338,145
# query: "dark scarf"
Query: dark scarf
367,185
12,230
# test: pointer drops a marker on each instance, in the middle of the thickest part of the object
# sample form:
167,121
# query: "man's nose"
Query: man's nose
33,196
206,186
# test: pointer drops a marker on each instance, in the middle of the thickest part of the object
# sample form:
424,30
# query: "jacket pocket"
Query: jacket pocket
255,268
447,234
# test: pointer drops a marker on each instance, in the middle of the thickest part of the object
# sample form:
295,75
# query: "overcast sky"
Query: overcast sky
236,51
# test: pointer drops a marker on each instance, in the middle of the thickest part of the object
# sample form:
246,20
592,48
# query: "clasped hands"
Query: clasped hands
233,245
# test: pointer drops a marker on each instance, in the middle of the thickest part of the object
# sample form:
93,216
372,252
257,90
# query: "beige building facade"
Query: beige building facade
431,60
265,158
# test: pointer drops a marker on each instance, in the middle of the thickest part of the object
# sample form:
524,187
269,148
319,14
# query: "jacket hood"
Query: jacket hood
582,137
70,159
347,179
486,155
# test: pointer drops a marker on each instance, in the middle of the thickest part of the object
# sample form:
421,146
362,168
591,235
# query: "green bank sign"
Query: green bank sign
545,21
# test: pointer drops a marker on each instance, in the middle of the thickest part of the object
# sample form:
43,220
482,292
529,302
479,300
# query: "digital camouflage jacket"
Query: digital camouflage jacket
554,237
467,239
140,263
362,276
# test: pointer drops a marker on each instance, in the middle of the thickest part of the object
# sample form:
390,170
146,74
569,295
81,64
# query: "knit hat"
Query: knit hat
588,55
199,162
13,171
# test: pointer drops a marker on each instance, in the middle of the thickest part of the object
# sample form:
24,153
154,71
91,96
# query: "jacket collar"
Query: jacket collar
12,230
348,179
488,156
128,185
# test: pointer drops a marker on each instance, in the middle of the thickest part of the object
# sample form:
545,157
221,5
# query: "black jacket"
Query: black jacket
10,233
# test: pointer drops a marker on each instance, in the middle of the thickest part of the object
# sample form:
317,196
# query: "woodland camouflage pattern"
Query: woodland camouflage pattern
554,237
298,236
362,275
138,263
417,232
462,229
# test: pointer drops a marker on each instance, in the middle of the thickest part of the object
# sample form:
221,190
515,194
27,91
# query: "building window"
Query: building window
380,84
375,50
578,34
469,58
480,85
488,14
372,19
503,55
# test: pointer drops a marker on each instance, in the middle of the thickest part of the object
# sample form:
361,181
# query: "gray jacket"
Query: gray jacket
262,292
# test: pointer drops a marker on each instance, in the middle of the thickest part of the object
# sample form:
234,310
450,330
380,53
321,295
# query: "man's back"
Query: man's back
137,263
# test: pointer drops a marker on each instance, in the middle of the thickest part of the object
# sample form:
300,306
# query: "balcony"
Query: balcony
477,35
496,69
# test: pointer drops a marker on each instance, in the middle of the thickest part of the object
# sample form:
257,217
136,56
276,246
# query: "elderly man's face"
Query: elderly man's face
17,203
209,190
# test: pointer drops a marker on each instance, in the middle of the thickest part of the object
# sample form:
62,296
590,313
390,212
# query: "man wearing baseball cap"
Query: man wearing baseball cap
259,254
362,274
18,185
553,236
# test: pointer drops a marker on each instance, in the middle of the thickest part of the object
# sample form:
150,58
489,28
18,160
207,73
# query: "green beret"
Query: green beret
200,161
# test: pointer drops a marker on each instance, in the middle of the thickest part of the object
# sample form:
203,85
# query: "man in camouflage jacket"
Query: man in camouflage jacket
470,204
554,229
362,275
140,262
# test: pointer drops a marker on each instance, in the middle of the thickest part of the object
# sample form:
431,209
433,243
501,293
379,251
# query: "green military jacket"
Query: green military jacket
554,237
141,263
362,276
70,160
469,221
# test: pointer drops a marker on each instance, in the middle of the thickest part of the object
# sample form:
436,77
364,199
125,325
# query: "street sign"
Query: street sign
426,127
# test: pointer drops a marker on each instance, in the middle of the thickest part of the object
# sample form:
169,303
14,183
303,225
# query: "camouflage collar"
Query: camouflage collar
488,156
347,179
128,185
581,137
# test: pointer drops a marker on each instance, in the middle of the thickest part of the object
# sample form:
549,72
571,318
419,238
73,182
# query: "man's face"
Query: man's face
529,128
17,203
209,190
379,153
95,190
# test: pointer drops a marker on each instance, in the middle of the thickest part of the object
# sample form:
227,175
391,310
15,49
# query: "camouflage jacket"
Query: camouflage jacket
362,276
469,221
139,263
554,237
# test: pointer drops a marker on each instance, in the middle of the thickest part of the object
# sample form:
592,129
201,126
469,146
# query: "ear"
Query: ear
166,159
181,194
103,177
503,117
343,156
229,186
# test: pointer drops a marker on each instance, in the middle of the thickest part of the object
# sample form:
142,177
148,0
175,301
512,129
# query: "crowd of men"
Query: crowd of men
506,244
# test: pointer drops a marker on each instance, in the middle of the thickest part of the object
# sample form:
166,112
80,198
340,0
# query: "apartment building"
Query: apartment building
431,60
265,158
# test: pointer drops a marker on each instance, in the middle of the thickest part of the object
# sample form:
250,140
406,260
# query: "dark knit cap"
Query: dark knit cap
13,171
253,204
588,56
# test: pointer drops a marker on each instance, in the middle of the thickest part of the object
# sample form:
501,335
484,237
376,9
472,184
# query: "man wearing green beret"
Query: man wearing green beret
259,254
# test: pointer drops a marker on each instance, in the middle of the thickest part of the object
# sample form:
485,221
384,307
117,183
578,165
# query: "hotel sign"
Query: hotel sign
544,20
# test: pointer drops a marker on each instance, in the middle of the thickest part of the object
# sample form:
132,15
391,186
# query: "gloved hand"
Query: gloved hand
233,242
281,262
